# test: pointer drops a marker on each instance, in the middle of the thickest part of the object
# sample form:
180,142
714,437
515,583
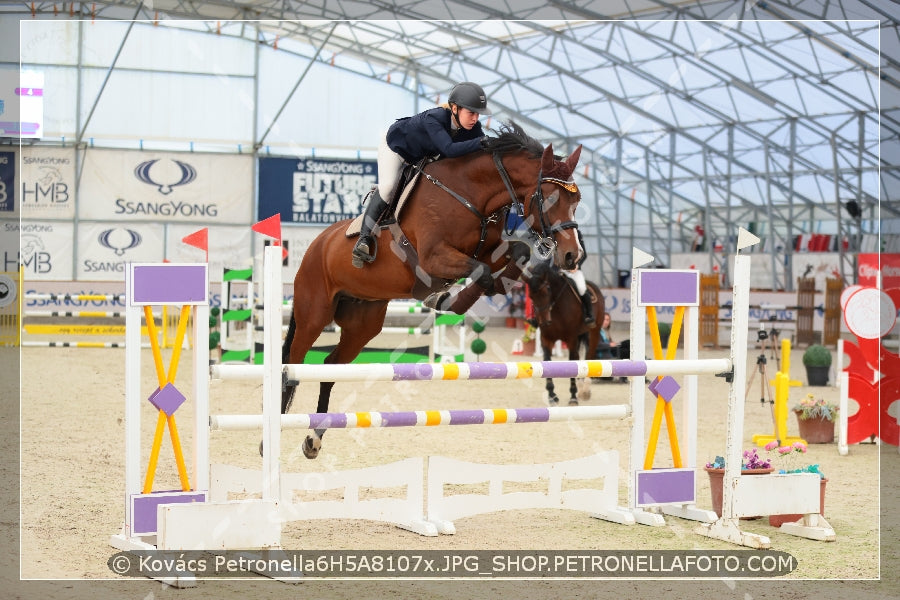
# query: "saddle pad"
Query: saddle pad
356,224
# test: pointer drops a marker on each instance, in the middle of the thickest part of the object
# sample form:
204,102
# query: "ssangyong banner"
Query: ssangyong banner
45,250
105,248
48,183
166,187
309,191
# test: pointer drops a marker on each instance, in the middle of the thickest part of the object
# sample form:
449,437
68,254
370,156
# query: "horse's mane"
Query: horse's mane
512,138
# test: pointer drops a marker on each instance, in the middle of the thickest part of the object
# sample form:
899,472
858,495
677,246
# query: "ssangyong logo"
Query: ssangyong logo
164,176
119,240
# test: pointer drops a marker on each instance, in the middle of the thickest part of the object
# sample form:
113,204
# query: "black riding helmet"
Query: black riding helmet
469,95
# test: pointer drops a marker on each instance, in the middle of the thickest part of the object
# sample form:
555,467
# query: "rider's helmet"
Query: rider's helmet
469,95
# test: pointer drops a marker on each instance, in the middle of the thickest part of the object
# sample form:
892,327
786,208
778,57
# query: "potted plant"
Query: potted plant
665,329
815,419
817,360
528,341
751,464
787,457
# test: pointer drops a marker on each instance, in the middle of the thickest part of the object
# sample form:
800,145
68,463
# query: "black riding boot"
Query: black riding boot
587,307
364,250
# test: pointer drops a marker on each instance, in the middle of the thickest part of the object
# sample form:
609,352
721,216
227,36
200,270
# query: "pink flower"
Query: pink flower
771,445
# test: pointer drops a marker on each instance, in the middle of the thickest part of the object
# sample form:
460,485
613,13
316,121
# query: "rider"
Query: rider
446,131
577,277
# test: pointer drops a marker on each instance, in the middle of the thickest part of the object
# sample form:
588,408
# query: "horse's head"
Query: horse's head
552,209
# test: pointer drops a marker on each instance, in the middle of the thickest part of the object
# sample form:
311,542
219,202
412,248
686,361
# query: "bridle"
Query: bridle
544,241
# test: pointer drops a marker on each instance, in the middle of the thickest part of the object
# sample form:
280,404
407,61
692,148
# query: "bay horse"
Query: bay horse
450,227
559,316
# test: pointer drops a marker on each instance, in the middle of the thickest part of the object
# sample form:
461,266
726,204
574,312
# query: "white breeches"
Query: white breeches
390,164
577,278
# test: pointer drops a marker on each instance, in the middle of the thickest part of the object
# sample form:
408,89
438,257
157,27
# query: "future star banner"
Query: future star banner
309,191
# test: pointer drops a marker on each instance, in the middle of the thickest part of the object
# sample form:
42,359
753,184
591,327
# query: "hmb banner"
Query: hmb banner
310,191
48,183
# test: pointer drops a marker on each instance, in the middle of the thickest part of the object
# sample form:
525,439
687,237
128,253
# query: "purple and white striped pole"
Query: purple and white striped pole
481,370
424,418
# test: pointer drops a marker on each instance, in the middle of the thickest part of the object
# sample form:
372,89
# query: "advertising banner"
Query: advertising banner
8,196
868,269
308,191
48,183
104,248
45,250
166,187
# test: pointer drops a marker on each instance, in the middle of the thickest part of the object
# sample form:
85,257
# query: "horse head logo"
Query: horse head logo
30,244
119,242
183,175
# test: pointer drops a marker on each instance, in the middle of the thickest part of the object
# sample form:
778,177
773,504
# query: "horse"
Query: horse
558,312
450,227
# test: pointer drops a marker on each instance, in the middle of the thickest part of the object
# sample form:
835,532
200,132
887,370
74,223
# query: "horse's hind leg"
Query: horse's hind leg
359,322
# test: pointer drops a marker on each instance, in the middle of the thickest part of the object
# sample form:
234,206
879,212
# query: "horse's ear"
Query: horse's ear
548,161
572,161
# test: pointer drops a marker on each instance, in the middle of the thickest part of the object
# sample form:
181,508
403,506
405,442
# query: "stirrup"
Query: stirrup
361,254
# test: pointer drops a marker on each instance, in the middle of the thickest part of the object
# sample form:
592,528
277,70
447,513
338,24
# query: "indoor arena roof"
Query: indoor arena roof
777,110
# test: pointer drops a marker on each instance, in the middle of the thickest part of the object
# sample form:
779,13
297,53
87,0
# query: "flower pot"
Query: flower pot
815,431
716,479
777,520
817,376
528,348
511,322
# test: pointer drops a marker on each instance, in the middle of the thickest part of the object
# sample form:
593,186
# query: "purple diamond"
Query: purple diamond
666,387
167,399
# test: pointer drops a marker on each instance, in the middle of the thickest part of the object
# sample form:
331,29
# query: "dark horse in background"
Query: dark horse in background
557,309
449,228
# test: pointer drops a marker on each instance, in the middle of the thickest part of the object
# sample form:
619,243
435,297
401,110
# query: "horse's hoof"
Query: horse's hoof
260,448
553,400
311,446
573,402
435,300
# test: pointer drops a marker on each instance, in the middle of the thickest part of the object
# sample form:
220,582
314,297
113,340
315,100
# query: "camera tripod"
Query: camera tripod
766,340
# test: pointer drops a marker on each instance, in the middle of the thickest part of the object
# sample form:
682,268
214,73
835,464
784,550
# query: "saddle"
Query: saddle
407,182
424,285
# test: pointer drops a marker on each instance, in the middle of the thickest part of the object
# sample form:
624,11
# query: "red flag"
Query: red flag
199,239
270,227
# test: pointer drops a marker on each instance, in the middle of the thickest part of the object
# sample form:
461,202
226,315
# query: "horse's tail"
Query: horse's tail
286,348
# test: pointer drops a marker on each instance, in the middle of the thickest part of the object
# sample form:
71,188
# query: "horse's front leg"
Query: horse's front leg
552,398
483,281
573,383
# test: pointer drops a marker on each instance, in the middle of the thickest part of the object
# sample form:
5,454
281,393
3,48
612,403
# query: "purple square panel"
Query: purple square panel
666,387
665,486
167,399
663,287
143,508
169,283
